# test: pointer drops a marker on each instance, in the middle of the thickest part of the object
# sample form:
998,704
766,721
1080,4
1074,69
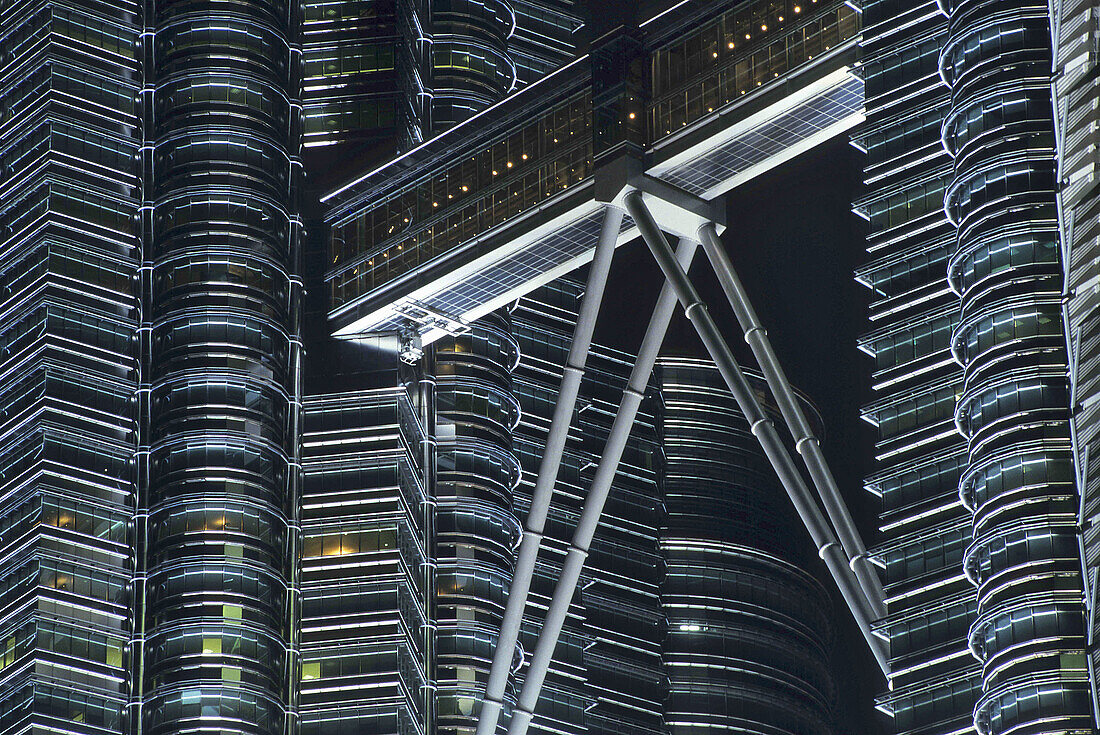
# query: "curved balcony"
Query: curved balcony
208,647
471,67
185,529
1018,481
224,222
1015,406
239,101
1053,702
1021,250
223,279
191,708
1009,639
192,44
222,159
221,340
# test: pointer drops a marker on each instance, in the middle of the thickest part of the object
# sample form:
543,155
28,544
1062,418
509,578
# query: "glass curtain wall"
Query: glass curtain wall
366,631
222,169
1014,406
748,630
919,454
69,254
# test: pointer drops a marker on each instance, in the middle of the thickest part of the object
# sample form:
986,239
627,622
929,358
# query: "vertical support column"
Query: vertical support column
597,497
806,443
548,471
822,534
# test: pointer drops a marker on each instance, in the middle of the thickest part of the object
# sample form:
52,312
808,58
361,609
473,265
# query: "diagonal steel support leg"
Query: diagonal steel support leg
812,518
548,471
597,496
805,441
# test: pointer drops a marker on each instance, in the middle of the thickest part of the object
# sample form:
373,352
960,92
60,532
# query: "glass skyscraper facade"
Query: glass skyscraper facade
70,131
976,471
205,528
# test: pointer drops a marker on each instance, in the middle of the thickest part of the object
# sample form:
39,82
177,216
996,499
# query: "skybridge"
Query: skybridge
707,96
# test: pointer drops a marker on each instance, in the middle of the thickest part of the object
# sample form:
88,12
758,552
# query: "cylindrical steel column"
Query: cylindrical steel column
548,470
597,496
806,443
812,518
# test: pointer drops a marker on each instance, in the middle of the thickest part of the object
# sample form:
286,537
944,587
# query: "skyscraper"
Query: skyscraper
199,530
977,474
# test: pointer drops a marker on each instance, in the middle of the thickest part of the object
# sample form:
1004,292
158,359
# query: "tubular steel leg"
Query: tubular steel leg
548,472
805,441
812,518
597,496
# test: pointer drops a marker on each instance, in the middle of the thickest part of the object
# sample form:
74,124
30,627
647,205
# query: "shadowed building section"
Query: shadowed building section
748,631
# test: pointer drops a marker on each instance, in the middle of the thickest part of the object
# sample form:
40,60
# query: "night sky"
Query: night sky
795,243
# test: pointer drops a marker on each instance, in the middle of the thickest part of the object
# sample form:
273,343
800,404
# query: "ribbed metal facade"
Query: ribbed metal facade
748,630
920,455
476,529
1014,408
220,233
69,316
962,118
1076,86
368,575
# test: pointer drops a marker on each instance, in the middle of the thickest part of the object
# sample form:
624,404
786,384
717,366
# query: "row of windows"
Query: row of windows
88,582
1059,704
348,59
534,148
762,21
338,116
360,660
935,628
914,341
940,552
971,192
1033,622
1018,470
988,115
95,31
165,713
895,70
335,542
903,136
920,411
241,41
222,153
492,67
948,701
907,205
1022,546
62,703
730,80
996,42
260,525
922,483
